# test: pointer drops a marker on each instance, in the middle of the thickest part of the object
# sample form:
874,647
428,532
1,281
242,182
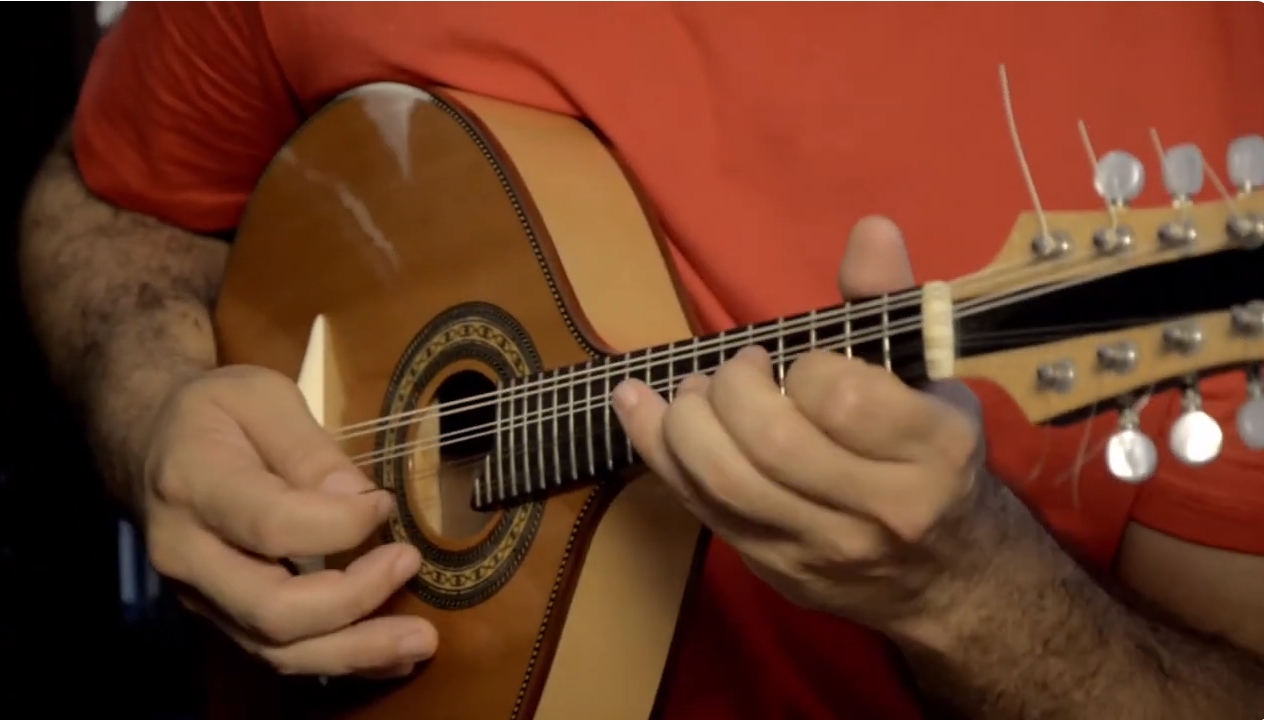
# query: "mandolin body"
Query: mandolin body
405,245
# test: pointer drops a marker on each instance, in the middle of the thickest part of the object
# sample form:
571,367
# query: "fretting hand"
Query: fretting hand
832,491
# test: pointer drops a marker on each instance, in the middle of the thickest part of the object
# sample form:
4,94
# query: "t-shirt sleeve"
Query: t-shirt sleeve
183,106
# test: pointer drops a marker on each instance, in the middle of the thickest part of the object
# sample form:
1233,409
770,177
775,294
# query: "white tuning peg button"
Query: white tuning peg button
1196,437
1251,414
1131,456
1246,162
1119,177
1183,171
1251,424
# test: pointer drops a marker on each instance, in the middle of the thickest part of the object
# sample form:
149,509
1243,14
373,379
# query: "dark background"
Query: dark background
68,640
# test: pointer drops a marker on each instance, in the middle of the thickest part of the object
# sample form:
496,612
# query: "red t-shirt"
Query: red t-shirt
761,133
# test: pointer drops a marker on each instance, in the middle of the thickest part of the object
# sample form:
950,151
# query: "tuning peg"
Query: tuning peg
1119,177
1130,455
1246,162
1183,171
1251,415
1195,438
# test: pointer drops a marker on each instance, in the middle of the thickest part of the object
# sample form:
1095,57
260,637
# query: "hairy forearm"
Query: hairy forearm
120,305
1027,633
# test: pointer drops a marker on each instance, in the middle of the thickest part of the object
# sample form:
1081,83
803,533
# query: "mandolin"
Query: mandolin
423,264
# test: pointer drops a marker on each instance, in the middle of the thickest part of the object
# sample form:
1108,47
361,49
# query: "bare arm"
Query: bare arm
1031,635
120,304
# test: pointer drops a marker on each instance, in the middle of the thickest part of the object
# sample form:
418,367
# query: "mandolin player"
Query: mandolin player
873,557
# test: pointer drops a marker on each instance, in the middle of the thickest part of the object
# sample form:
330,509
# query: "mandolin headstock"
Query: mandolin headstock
1088,311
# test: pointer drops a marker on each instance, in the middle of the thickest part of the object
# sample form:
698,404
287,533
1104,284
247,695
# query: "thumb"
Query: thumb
274,416
876,261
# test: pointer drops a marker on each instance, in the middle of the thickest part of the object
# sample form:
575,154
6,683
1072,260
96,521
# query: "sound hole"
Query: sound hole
461,428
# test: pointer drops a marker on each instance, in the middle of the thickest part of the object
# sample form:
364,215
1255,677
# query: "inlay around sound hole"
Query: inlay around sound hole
435,445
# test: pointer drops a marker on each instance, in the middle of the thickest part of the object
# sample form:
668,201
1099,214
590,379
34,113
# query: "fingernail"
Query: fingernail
625,397
346,483
417,646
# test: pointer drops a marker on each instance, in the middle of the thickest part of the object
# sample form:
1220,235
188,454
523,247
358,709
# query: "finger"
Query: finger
868,411
388,673
282,608
876,261
641,411
259,512
376,647
785,446
719,476
272,413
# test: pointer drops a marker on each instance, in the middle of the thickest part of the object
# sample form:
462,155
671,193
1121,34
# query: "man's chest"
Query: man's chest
760,133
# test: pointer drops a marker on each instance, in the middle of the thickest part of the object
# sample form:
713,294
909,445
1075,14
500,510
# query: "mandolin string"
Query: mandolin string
573,406
855,311
587,404
523,390
547,445
898,328
720,342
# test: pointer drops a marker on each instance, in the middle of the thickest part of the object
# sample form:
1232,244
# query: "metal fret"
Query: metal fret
588,428
847,343
886,332
671,372
557,451
500,434
627,373
605,413
570,428
781,354
513,448
812,330
538,422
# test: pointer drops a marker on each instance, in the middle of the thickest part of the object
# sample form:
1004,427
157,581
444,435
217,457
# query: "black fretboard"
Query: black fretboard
558,428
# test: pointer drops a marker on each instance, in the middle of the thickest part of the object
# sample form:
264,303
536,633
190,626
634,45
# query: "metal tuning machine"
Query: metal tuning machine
1131,455
1119,178
1251,414
1196,438
1246,171
1183,174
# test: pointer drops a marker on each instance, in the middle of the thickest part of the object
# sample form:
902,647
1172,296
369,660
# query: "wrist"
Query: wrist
995,558
125,395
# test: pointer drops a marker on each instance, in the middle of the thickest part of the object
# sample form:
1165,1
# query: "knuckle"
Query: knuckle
166,560
912,522
962,446
169,485
779,440
830,550
164,551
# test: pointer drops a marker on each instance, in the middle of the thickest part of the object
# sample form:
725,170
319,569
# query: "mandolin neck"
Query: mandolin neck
557,428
